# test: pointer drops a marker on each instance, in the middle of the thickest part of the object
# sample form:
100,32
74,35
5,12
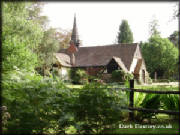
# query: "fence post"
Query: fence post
131,100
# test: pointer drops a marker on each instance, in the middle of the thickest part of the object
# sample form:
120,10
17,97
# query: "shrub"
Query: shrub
40,105
170,102
121,76
97,108
151,101
34,102
78,76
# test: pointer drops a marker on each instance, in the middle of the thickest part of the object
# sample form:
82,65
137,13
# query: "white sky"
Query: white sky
98,22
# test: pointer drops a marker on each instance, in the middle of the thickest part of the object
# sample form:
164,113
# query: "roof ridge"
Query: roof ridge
111,45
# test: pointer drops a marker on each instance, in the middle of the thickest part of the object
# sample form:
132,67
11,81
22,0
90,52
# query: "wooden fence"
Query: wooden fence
131,101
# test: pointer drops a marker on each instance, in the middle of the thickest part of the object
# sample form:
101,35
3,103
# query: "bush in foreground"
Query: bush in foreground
121,76
98,108
44,105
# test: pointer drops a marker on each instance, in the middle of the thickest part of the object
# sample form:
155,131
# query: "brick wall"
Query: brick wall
94,70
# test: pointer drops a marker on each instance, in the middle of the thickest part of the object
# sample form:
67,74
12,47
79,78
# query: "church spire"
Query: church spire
75,36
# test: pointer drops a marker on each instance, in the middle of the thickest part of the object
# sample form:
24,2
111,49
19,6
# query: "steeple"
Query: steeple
75,36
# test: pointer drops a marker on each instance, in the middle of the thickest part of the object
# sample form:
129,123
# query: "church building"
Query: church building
101,59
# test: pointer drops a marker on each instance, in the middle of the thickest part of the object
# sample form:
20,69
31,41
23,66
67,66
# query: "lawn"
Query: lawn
74,86
158,87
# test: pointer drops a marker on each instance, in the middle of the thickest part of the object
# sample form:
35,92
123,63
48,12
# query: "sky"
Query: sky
98,22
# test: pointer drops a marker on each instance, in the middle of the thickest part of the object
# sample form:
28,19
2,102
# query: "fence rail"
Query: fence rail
131,101
150,91
156,92
148,110
152,110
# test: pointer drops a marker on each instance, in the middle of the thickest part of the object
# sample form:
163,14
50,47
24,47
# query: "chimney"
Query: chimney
72,50
72,59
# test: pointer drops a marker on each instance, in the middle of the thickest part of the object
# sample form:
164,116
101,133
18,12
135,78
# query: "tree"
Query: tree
125,35
20,37
34,13
176,13
27,43
160,56
64,37
47,47
153,26
174,38
53,40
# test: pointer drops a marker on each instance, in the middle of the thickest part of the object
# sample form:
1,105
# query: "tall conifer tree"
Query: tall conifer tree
125,34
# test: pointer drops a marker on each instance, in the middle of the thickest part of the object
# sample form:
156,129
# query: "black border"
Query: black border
0,65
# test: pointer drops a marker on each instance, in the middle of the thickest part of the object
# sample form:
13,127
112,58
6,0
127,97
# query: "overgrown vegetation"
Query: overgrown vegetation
155,101
121,76
98,108
78,76
32,101
39,105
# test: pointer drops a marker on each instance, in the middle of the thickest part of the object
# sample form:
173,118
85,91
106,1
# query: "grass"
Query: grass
157,87
148,87
74,86
112,85
138,97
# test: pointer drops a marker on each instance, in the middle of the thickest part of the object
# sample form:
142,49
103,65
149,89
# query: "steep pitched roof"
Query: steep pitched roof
63,59
101,55
120,63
